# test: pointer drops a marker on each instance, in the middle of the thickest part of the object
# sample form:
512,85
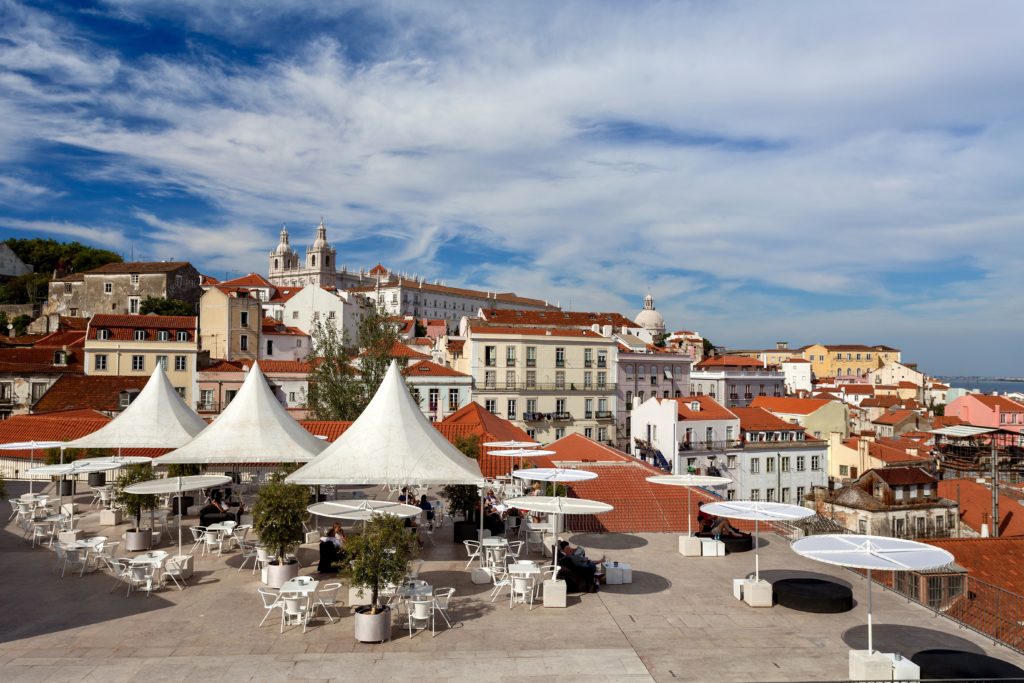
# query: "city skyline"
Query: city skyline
815,173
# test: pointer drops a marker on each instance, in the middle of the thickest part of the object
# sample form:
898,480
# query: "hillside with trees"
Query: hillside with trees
47,256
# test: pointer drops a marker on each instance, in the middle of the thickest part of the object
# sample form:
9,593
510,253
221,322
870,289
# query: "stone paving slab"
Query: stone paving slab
678,621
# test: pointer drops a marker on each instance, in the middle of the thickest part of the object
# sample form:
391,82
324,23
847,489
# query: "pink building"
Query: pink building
983,410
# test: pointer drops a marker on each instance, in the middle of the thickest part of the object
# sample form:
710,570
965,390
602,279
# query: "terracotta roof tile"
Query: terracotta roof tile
426,368
710,409
250,280
760,420
1001,402
138,267
902,476
481,327
857,389
730,361
787,404
38,360
122,327
96,392
976,506
999,561
895,417
555,318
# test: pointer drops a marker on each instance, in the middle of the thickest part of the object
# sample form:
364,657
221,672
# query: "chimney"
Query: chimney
607,331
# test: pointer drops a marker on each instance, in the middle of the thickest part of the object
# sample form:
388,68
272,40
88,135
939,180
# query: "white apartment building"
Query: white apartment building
439,390
313,302
736,380
549,382
682,429
282,342
797,374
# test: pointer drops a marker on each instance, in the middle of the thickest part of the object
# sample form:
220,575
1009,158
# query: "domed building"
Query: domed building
650,319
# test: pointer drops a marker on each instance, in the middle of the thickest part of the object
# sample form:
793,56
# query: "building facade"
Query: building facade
439,390
229,323
132,345
849,362
549,382
900,502
735,381
120,288
983,410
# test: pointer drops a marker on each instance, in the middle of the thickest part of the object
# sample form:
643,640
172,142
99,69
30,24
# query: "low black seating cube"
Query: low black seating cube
732,543
813,595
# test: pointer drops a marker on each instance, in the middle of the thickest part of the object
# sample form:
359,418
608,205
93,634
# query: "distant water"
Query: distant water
985,385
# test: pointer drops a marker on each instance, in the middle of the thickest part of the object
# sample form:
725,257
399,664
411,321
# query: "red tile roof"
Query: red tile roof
976,506
62,338
998,402
25,361
250,280
889,454
122,327
710,409
858,389
796,360
207,280
881,402
894,418
760,420
96,392
639,505
267,366
64,425
729,361
481,327
902,476
940,421
906,385
138,267
426,368
400,350
555,318
271,326
999,561
795,406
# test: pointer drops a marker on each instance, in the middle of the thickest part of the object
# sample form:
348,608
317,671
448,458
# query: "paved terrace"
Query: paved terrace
678,621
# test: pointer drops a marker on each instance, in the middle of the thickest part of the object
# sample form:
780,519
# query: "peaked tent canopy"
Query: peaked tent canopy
254,428
157,418
391,443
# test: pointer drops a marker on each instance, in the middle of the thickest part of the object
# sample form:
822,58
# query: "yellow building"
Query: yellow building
132,345
848,362
230,319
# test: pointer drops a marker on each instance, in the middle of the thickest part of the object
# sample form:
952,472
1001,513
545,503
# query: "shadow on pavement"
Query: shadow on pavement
906,640
608,541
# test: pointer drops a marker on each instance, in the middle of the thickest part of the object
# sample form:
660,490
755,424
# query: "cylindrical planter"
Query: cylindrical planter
372,628
97,479
465,531
185,502
135,539
278,574
67,487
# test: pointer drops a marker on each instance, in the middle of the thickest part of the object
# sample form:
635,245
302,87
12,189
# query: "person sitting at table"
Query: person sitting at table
339,534
215,510
403,497
493,522
710,525
576,569
330,553
490,498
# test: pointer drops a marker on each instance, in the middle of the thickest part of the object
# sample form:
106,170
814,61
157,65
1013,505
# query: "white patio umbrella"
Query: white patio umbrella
31,447
362,510
83,466
688,480
872,552
558,505
511,444
556,474
177,485
759,511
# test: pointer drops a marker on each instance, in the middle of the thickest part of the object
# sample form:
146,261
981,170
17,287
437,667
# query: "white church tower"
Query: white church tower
283,258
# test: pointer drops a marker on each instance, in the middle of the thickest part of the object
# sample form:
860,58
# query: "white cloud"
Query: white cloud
891,138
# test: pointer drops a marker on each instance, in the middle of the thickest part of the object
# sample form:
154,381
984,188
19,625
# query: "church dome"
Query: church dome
649,318
282,248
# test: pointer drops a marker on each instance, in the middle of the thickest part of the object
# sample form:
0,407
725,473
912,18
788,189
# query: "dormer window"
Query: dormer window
163,335
60,358
103,335
140,335
695,406
182,336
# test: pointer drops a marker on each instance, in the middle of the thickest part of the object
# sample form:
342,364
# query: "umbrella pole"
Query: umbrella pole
689,502
481,525
757,557
178,504
31,464
871,643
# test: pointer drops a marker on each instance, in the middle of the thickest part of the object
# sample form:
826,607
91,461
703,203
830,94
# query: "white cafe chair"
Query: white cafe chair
472,550
421,608
521,590
442,600
294,607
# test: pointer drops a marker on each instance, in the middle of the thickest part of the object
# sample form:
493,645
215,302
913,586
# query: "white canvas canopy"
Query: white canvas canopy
391,443
254,428
157,418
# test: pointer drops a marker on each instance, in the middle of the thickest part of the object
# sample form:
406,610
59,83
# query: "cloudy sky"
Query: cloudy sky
836,172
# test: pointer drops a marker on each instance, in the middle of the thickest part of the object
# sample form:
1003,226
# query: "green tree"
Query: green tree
134,504
709,348
21,324
165,307
939,409
338,390
379,556
279,515
47,256
464,498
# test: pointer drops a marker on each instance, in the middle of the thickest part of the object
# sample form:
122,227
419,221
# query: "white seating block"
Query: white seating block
554,594
479,575
615,574
709,547
757,593
689,546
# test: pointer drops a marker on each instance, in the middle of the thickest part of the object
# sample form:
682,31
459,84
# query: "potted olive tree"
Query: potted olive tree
278,518
465,498
378,557
133,505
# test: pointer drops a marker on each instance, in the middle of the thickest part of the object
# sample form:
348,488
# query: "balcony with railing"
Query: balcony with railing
526,387
691,446
603,414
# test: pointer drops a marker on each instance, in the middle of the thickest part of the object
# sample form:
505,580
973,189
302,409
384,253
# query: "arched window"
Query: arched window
312,260
276,261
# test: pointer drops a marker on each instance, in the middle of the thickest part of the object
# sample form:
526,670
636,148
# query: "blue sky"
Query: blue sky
808,172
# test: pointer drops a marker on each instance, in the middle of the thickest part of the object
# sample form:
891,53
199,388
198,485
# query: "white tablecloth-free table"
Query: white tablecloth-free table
494,541
303,585
155,557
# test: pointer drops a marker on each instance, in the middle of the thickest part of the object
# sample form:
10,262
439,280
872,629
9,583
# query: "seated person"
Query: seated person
490,498
428,509
493,522
574,561
403,497
710,525
330,553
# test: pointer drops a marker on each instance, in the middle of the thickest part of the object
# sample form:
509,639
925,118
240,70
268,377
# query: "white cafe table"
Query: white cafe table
301,585
154,557
524,568
494,541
